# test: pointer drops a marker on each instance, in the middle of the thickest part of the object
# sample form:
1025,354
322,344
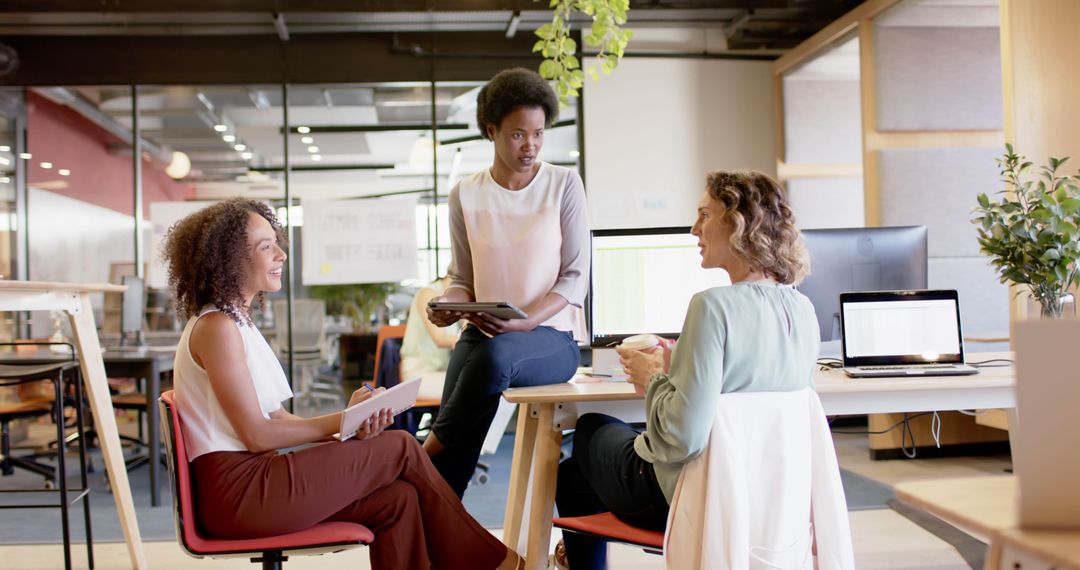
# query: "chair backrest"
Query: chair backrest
385,332
179,472
745,501
308,324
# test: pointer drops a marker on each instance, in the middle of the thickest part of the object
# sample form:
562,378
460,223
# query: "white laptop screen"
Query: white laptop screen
900,330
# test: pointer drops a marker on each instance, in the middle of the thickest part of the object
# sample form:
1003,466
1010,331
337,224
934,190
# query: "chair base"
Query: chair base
270,560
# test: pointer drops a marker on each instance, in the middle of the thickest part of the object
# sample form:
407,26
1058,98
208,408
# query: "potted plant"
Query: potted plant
606,34
358,301
1032,234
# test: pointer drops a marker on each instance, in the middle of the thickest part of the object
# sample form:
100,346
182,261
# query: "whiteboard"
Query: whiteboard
162,217
358,241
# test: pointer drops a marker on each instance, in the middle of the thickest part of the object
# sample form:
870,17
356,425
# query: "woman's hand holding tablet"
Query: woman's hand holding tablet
500,309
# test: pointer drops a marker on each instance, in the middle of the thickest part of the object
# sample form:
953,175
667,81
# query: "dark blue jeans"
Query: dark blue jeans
480,369
604,473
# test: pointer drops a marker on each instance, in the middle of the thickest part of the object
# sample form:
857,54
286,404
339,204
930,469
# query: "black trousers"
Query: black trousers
604,473
480,369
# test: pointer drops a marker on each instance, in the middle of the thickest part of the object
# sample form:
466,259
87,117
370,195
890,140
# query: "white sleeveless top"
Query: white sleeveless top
206,427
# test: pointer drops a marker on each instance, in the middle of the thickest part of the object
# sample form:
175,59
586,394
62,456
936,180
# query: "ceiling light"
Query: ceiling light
5,180
26,156
575,154
5,148
307,140
303,130
316,157
64,172
46,165
4,161
313,149
179,166
228,138
220,128
246,155
240,147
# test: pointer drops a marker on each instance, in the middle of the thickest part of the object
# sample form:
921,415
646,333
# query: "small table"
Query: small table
545,411
147,364
988,506
74,299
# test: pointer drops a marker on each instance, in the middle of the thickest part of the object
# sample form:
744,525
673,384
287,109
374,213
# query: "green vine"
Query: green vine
561,63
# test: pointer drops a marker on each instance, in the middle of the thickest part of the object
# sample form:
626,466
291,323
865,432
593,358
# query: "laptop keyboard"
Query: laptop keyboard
909,367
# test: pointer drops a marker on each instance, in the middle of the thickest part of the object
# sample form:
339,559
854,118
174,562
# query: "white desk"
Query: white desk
74,299
548,410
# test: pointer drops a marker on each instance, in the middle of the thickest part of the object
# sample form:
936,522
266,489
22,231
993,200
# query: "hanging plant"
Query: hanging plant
561,63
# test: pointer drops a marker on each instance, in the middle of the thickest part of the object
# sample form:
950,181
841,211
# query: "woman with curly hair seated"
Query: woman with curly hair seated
757,335
519,233
229,390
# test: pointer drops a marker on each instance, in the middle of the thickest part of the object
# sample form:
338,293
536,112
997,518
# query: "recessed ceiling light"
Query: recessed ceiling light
228,138
26,156
313,149
5,148
240,147
303,130
64,172
246,155
46,165
4,161
220,128
316,157
307,140
5,180
575,154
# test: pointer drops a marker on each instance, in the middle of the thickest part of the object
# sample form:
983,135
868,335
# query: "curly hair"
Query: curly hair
510,89
763,230
207,257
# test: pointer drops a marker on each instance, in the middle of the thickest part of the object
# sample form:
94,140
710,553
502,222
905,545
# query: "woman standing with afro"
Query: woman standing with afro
519,233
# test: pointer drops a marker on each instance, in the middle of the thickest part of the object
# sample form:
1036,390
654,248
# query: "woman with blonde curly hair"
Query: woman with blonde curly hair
229,391
757,335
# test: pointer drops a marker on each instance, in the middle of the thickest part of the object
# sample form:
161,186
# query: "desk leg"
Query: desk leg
97,390
993,553
520,468
153,392
545,471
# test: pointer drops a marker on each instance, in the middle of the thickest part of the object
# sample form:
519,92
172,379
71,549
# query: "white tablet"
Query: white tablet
500,309
398,399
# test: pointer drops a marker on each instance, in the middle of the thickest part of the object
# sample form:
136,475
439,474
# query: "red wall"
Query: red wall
59,135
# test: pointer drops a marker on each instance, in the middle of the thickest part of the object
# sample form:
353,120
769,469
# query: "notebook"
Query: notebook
902,333
1046,457
397,399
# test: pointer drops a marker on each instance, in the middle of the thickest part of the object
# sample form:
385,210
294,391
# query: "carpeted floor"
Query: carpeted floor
485,501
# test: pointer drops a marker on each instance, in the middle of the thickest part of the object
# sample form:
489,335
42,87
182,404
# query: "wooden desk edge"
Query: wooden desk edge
1045,544
58,286
914,493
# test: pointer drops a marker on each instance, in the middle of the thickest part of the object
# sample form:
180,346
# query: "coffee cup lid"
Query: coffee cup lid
639,342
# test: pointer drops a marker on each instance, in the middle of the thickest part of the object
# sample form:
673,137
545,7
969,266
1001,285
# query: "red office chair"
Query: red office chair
607,527
271,551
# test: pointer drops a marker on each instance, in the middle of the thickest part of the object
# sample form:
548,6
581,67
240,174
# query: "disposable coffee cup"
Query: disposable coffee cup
641,342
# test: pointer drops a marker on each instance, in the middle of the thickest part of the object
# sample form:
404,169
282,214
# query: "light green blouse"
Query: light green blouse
747,337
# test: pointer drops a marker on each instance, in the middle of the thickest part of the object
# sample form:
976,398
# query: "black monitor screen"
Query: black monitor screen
861,259
642,281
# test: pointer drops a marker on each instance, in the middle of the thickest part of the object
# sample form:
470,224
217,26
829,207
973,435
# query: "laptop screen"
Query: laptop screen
906,327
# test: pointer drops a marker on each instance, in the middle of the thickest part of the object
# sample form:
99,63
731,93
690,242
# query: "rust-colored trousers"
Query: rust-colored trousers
386,483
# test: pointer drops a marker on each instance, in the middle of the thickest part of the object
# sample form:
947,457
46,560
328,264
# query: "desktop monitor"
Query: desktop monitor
642,281
132,308
860,259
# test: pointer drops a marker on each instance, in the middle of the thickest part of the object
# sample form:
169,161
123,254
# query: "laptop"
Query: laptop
1045,455
902,333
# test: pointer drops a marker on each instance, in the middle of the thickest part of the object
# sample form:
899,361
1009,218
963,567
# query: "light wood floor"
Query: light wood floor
883,539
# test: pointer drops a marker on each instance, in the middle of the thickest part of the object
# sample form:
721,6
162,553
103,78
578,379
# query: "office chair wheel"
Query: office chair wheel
50,484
